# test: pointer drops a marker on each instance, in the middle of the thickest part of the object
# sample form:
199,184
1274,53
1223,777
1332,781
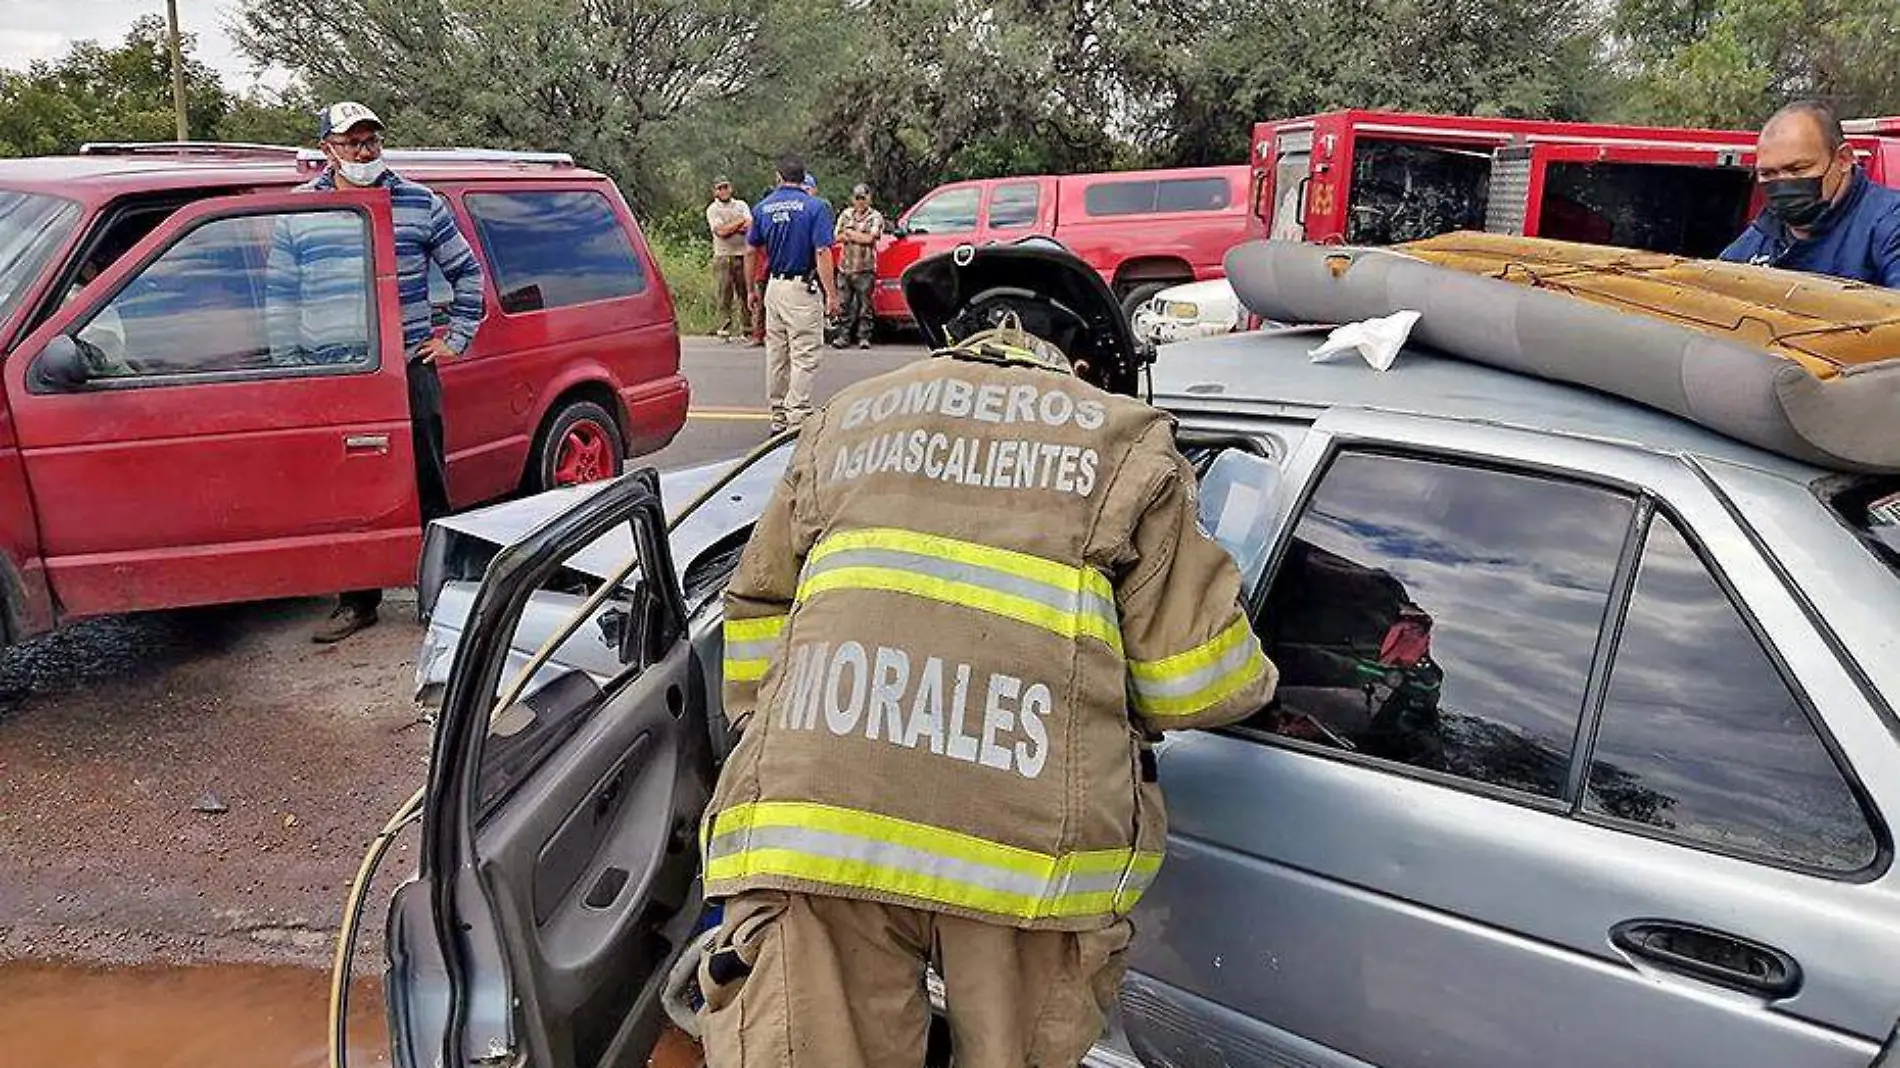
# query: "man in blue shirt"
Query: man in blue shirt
425,230
1824,214
792,229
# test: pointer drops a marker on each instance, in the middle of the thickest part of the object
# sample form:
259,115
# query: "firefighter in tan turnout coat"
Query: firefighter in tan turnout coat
977,589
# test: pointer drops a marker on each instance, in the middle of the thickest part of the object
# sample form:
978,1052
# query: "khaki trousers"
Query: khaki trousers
735,305
828,982
794,334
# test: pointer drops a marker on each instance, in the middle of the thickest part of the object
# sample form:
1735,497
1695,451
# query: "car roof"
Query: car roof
1272,367
95,178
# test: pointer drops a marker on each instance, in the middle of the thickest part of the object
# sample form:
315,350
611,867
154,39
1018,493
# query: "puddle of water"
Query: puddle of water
215,1016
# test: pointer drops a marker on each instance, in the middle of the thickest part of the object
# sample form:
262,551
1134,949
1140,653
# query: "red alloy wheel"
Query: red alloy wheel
586,455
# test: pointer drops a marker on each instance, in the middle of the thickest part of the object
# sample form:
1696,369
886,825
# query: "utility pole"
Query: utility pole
178,72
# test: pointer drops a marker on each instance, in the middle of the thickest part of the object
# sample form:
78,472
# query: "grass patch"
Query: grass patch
685,260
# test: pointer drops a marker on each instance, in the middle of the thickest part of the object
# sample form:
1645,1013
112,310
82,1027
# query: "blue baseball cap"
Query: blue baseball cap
810,184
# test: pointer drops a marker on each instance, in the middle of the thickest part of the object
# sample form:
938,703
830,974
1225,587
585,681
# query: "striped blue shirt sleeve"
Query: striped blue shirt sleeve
450,251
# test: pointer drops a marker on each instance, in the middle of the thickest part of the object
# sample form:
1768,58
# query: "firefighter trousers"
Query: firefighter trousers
810,981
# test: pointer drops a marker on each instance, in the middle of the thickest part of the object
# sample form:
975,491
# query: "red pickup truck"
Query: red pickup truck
1143,230
174,431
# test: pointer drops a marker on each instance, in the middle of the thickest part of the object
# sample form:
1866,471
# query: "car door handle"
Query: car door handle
1710,955
366,445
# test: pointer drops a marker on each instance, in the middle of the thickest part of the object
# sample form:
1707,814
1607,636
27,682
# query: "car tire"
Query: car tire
581,443
1141,294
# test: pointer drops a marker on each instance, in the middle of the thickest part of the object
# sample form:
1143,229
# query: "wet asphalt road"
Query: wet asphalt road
729,413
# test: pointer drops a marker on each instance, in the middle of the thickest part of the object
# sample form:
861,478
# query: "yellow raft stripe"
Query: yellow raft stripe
1008,561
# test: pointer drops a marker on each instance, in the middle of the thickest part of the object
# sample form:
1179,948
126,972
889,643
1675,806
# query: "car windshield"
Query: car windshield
32,226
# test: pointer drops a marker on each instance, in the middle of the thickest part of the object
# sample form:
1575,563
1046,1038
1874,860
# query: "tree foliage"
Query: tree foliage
904,94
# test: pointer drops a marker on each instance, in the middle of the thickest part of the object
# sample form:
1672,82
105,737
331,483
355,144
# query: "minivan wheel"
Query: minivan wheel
581,444
1140,295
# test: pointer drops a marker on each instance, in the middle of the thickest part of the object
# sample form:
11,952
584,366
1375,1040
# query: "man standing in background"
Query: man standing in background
858,231
729,218
792,231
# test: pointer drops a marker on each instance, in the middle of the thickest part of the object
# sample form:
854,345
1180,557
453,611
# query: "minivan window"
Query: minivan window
1148,195
1702,737
1443,617
555,249
32,227
1015,206
244,293
952,211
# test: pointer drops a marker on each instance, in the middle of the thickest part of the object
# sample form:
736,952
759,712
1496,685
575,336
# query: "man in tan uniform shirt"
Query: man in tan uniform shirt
977,592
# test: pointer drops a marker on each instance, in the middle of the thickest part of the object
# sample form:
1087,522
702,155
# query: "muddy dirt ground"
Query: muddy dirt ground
199,785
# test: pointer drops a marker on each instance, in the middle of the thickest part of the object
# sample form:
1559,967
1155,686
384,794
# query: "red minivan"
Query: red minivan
175,431
1142,230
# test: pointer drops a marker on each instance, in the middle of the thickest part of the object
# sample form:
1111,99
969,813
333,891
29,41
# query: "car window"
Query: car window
250,292
32,227
952,211
1193,194
1015,206
1443,617
1119,198
554,249
1700,734
441,295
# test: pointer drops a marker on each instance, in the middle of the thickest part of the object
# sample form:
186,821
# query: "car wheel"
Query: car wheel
582,443
1140,295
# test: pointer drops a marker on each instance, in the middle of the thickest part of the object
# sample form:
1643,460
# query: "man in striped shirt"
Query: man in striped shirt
425,230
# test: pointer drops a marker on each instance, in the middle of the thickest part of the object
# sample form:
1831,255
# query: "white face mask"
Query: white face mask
363,173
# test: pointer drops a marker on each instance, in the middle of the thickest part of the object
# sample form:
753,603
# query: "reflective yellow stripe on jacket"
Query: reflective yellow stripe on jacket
1074,602
749,646
1201,677
854,850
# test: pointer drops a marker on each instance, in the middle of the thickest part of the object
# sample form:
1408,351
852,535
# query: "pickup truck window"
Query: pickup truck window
247,292
1146,196
1443,617
555,249
1703,739
952,211
1015,206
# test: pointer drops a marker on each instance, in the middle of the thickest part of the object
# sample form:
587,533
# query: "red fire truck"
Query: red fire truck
1375,178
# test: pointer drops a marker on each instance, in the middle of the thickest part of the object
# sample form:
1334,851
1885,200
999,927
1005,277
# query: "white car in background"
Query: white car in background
1190,310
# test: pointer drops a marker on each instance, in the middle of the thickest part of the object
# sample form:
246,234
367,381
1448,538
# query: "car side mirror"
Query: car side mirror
62,366
900,232
1237,509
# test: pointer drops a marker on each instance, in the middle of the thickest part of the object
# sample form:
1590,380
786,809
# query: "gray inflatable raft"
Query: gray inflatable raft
1849,422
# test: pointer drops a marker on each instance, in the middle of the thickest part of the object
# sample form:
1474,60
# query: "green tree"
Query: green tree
1733,62
100,93
600,78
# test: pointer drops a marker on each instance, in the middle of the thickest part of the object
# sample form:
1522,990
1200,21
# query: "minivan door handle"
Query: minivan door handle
366,445
1710,955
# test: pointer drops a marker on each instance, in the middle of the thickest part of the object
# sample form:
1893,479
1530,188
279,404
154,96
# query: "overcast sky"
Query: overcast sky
42,29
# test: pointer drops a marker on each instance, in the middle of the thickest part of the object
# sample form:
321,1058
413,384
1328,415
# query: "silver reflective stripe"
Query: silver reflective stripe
835,846
757,649
1200,678
1062,599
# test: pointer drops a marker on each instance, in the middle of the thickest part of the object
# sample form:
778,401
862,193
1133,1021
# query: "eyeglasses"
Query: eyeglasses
357,145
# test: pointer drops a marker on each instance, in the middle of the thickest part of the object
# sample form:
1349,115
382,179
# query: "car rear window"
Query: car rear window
553,249
1870,506
1148,195
32,227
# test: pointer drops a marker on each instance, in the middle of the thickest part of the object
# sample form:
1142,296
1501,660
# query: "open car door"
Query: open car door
558,875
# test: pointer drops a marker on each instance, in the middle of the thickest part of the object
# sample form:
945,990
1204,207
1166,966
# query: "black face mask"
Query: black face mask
1796,201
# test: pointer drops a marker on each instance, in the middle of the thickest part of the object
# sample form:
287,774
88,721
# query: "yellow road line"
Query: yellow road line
730,415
